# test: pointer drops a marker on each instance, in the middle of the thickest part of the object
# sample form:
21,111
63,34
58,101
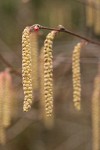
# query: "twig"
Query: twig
36,27
10,66
60,28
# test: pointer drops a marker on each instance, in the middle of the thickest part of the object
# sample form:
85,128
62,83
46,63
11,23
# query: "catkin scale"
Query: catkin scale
27,69
46,69
76,76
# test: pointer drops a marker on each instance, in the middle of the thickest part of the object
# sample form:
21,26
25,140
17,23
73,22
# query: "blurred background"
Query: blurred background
72,130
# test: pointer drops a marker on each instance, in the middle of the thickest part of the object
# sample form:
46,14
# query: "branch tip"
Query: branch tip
61,28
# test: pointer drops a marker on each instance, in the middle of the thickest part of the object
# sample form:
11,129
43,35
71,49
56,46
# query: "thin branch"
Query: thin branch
36,27
60,28
72,33
10,66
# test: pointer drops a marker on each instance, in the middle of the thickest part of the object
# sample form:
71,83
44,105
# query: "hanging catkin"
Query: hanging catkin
34,56
47,80
96,114
2,130
7,100
26,69
76,76
41,73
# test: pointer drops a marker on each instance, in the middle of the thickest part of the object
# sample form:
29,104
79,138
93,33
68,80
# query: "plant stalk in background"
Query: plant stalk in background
97,18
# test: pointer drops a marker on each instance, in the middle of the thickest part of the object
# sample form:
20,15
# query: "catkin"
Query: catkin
26,69
47,80
41,73
34,56
76,76
6,103
95,114
7,99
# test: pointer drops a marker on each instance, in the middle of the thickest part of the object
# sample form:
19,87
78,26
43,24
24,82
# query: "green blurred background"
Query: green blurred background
15,15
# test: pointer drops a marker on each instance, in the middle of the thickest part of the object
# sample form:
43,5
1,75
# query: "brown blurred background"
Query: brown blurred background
72,129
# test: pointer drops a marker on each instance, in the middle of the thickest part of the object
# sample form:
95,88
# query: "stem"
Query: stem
62,29
72,33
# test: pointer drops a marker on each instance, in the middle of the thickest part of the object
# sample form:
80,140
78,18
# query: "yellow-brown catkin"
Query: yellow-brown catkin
27,69
97,18
2,130
7,100
89,14
96,114
47,83
76,76
34,56
41,73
